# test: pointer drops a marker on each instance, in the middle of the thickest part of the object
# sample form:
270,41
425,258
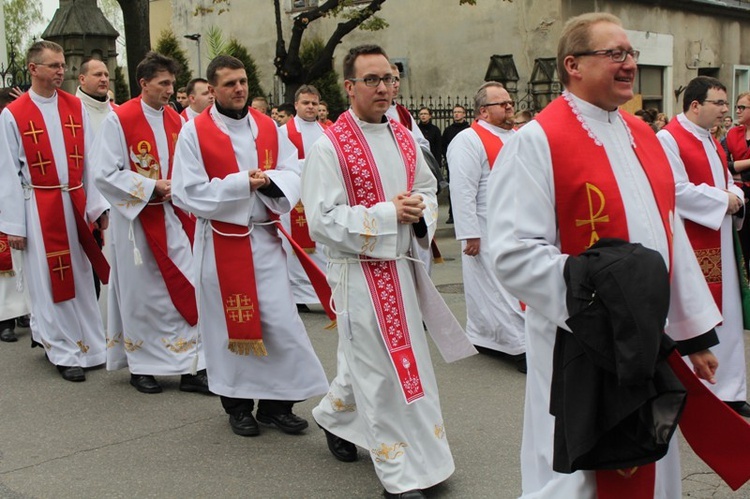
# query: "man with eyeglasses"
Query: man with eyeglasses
710,203
581,172
377,204
48,202
494,318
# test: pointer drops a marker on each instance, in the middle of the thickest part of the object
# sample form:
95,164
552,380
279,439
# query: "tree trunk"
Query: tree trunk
135,16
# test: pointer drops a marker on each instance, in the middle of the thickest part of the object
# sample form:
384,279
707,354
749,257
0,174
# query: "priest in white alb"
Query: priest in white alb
235,172
47,202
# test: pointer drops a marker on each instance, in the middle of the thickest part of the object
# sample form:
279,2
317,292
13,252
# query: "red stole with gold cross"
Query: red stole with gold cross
232,245
589,206
491,142
49,193
364,188
300,231
141,144
6,260
706,242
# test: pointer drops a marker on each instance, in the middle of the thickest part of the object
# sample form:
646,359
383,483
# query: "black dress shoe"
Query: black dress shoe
8,335
195,383
741,407
244,425
343,450
23,321
145,383
286,422
35,344
409,494
72,373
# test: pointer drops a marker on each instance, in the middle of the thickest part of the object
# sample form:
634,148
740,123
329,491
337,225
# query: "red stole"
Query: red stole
364,187
715,432
706,242
49,193
297,218
139,138
184,114
232,245
491,142
737,144
6,260
404,116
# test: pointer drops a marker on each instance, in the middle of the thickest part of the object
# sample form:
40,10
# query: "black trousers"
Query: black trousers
7,324
234,406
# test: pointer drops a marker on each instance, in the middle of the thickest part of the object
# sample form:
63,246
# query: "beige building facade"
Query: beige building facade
445,48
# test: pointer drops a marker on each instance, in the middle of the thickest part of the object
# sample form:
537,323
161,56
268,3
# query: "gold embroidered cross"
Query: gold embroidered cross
239,308
76,156
61,268
268,163
41,163
72,125
33,131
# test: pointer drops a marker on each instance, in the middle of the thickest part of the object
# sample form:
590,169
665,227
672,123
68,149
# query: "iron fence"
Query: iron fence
15,74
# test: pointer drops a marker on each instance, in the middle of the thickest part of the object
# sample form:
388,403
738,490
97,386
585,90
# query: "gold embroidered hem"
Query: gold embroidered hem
339,405
710,262
182,345
84,348
246,347
111,342
131,346
7,273
388,452
440,431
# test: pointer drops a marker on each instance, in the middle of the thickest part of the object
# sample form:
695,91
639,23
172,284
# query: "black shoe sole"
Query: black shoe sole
261,419
340,457
196,389
245,432
148,391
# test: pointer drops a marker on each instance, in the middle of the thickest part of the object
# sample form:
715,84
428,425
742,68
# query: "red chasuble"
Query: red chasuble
706,242
6,261
232,246
589,206
141,144
364,187
49,192
298,220
491,142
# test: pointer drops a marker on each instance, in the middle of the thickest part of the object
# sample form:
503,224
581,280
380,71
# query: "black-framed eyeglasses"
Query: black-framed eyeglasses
374,81
54,67
617,55
720,103
741,108
504,103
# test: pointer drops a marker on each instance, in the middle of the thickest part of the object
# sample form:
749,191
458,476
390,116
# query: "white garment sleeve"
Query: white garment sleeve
465,161
96,204
12,209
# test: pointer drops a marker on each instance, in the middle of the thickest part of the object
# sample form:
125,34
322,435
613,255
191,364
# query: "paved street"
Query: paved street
102,439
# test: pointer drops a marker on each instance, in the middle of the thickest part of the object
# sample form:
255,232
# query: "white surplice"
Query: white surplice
145,332
494,318
525,248
291,371
707,206
71,331
365,403
98,110
301,287
13,302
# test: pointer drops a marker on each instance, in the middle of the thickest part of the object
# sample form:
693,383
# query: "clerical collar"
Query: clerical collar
231,113
103,98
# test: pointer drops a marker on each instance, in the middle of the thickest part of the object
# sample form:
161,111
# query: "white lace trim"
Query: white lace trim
579,116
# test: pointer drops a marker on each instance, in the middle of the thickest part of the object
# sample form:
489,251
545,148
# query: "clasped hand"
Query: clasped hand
409,207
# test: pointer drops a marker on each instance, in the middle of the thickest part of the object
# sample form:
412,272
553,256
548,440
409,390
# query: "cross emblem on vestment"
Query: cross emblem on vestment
41,163
72,125
33,131
76,156
239,308
301,221
61,268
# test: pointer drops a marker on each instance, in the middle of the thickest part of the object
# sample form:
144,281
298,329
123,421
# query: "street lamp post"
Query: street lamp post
196,37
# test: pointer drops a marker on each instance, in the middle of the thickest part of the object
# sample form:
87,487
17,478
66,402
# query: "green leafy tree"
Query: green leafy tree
236,49
20,16
169,45
122,93
328,83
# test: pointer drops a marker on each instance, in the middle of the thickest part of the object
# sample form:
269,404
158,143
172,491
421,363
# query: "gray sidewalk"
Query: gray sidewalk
102,439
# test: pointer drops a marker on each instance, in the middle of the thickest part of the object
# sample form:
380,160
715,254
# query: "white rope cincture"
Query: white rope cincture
136,252
245,234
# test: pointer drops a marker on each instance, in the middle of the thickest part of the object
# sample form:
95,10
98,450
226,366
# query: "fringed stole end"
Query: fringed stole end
246,347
